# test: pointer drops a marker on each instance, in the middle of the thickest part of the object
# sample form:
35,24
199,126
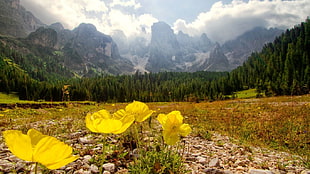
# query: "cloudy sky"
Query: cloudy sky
220,20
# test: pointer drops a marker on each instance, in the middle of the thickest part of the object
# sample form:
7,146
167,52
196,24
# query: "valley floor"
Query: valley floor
228,136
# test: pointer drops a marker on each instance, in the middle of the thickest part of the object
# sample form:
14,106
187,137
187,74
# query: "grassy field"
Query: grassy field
277,122
8,98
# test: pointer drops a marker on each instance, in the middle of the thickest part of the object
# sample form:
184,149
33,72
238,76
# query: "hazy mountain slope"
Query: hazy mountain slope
15,20
168,51
239,49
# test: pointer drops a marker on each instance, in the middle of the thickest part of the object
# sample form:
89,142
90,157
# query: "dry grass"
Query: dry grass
277,122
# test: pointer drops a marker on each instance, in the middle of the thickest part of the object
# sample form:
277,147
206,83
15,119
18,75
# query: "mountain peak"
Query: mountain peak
86,27
57,26
15,20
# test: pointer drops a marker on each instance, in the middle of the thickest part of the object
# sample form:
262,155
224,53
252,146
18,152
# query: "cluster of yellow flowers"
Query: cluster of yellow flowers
52,153
103,122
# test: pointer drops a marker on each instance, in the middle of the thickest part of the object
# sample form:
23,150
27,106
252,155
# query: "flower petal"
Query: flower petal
119,114
35,136
53,153
140,110
185,129
126,122
102,114
174,121
19,144
62,163
89,120
162,118
171,138
108,125
94,120
175,117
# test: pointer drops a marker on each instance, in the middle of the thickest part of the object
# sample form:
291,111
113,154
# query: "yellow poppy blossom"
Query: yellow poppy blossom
36,147
103,122
140,110
173,127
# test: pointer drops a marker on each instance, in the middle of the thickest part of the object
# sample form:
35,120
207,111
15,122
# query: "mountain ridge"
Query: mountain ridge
87,52
168,51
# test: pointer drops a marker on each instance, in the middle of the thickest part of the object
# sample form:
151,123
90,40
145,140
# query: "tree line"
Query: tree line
281,68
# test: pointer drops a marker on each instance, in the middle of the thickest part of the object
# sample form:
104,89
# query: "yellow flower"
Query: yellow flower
103,122
1,115
40,148
173,127
140,110
7,110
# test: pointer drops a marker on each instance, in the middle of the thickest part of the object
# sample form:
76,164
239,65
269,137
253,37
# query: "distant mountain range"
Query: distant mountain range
84,51
180,52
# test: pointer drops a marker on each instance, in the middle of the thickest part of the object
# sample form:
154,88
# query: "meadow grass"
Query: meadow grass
245,94
249,93
277,122
8,98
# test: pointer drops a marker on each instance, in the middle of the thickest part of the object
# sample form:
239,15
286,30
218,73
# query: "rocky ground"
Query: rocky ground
219,155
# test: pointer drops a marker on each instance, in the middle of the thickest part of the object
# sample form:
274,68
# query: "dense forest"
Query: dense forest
281,68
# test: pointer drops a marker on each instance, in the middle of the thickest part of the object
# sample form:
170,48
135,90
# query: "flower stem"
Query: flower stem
136,135
36,168
103,155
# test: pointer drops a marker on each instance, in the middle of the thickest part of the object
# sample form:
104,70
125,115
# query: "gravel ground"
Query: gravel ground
219,155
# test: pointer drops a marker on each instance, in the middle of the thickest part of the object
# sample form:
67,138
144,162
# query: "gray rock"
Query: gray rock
215,162
19,166
86,140
86,158
94,169
81,171
259,171
213,171
305,172
6,165
110,167
201,160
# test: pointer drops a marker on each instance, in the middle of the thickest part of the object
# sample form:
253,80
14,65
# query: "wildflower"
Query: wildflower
7,110
173,127
140,110
36,147
103,122
1,115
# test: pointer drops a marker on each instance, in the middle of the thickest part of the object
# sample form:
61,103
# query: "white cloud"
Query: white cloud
130,24
130,3
226,21
95,5
106,17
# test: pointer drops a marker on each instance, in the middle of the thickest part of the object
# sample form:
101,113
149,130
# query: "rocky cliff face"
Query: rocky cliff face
164,49
180,52
44,37
177,52
89,51
15,20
